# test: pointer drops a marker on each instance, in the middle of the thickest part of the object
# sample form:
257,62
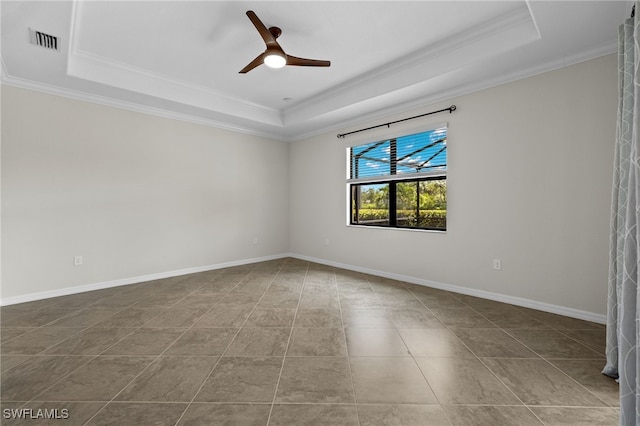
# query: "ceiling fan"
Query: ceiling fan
274,56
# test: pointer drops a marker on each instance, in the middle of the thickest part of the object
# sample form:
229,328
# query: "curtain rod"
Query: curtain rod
450,109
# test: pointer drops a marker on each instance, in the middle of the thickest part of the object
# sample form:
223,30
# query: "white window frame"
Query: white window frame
388,134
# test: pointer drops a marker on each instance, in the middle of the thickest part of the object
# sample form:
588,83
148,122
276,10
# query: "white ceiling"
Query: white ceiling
181,58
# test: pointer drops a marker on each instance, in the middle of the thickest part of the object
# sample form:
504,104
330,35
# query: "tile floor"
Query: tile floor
288,342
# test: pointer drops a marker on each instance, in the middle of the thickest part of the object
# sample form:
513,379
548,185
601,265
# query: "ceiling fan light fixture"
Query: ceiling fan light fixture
274,56
275,60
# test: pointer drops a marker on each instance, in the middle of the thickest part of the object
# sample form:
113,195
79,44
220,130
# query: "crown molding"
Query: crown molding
311,131
99,69
462,90
105,71
514,29
10,81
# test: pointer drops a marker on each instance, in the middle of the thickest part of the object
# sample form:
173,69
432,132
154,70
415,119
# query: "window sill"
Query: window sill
388,228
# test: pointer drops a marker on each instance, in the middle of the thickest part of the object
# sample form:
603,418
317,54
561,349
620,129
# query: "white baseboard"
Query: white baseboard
518,301
133,280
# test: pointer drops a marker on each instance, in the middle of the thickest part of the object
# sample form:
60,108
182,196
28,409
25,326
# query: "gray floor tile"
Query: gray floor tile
413,318
589,374
536,382
390,380
283,285
260,341
329,287
151,341
462,318
91,341
98,380
162,300
375,342
594,339
314,415
402,415
280,299
85,317
271,317
132,317
404,301
169,379
560,322
569,416
508,317
367,318
240,300
553,344
319,301
493,342
226,414
178,317
465,381
317,342
243,379
355,286
437,298
30,378
483,415
9,333
9,361
203,341
290,326
325,318
224,317
37,341
362,300
126,413
315,380
434,342
36,317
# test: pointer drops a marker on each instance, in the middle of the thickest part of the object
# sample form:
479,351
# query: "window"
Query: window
400,182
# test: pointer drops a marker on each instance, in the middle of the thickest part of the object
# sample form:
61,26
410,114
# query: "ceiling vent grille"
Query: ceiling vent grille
41,39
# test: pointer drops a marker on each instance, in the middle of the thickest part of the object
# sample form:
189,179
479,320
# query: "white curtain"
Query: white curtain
623,316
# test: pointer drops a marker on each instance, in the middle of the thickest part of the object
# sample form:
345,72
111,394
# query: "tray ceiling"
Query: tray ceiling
181,58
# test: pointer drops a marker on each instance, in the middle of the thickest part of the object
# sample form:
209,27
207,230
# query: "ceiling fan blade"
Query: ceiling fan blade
268,38
304,62
257,61
269,35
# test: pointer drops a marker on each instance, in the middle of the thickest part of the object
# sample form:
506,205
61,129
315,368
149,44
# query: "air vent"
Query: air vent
41,39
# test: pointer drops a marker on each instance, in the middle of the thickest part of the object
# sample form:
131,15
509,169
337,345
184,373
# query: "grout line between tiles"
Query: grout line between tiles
346,348
284,358
384,306
230,341
158,356
413,357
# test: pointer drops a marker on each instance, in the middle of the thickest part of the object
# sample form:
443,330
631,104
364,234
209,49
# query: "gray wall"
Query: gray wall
529,182
132,193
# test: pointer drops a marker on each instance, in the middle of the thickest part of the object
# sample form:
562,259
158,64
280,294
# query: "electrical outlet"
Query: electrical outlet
326,241
255,241
497,264
77,260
